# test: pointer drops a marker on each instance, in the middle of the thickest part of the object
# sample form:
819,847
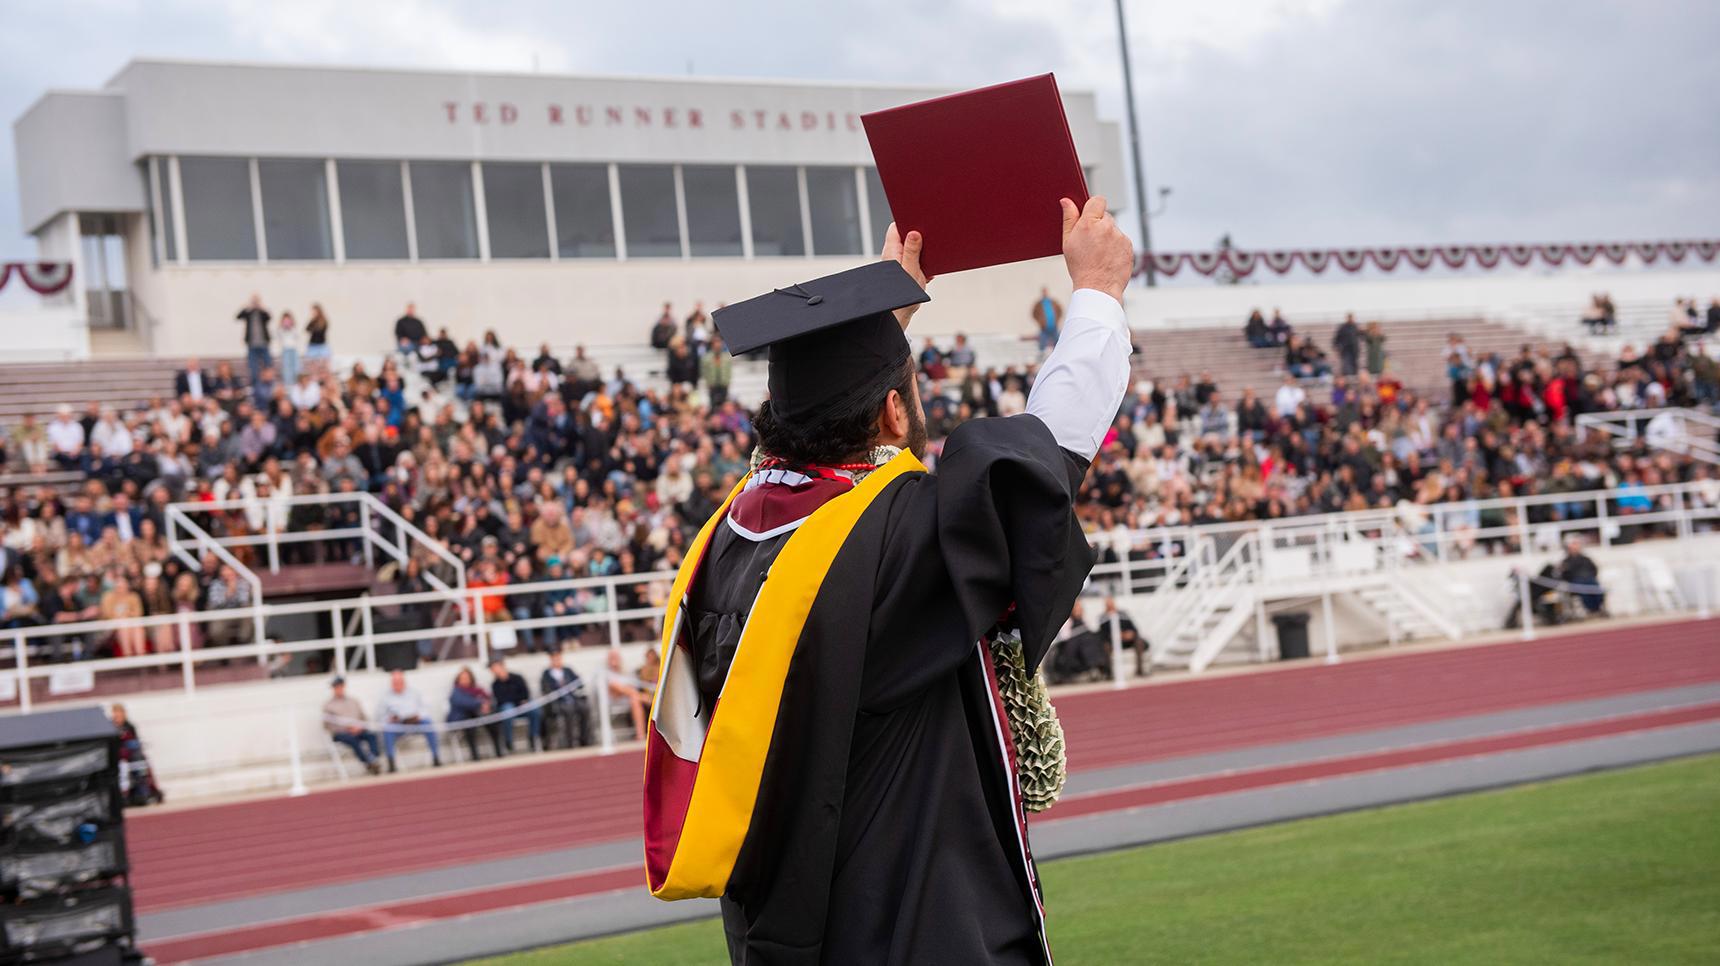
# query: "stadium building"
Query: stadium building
562,208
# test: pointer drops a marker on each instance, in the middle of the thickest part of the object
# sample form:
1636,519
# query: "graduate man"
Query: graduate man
840,747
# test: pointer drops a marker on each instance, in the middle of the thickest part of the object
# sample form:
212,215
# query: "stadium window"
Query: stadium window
218,222
835,207
648,211
295,210
878,205
442,209
713,209
584,222
161,215
372,209
513,206
773,202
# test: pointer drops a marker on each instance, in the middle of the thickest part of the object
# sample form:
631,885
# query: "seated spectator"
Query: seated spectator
1304,360
1256,331
960,358
404,708
228,592
630,690
1280,330
136,782
664,329
341,717
528,606
1289,398
191,381
70,603
1582,578
568,712
121,603
511,693
20,606
66,438
468,701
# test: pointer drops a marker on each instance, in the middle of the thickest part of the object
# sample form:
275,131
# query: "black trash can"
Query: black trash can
1292,636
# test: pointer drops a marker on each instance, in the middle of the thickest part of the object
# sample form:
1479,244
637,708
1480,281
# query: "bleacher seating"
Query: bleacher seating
1415,348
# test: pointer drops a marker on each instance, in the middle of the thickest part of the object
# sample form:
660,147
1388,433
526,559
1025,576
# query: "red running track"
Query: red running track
226,852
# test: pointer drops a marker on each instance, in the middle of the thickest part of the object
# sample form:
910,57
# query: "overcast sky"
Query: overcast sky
1284,122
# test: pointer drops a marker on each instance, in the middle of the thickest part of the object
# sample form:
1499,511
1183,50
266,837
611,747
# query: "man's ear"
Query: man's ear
893,420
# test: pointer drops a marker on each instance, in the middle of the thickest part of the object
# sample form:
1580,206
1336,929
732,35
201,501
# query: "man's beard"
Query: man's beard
916,441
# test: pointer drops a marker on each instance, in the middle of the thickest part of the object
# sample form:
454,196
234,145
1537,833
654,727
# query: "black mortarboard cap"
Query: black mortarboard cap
828,336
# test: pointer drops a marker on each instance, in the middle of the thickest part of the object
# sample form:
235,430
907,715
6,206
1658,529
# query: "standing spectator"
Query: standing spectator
316,342
409,331
339,714
664,329
289,328
66,437
1376,341
256,321
698,329
467,701
567,712
1047,318
404,707
1348,343
511,693
960,358
718,370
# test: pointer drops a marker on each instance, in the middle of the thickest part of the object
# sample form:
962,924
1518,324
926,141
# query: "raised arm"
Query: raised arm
1083,381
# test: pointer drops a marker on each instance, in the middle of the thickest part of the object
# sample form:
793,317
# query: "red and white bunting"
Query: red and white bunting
1241,263
1167,263
1205,262
43,278
1422,257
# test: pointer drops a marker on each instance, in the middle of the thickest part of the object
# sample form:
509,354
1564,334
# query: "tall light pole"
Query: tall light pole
1135,149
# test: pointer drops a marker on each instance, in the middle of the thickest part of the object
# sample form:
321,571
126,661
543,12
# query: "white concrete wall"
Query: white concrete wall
235,738
1409,295
528,302
72,156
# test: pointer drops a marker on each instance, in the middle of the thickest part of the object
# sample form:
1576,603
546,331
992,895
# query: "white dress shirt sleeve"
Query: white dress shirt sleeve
1083,381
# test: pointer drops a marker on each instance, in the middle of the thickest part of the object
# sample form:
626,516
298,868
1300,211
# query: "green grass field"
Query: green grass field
1619,867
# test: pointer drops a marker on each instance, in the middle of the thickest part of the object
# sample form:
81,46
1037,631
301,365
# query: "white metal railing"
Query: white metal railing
1439,531
1397,538
275,511
1669,429
598,599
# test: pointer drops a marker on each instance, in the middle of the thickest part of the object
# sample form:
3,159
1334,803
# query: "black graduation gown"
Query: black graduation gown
887,829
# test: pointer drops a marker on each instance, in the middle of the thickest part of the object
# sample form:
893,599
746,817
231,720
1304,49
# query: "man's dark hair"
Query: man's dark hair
841,431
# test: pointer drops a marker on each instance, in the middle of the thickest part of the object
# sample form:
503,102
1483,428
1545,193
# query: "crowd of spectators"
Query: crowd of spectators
539,468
